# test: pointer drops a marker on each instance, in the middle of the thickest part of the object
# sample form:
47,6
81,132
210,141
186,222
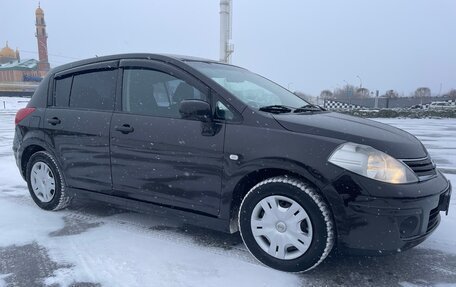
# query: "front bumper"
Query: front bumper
373,225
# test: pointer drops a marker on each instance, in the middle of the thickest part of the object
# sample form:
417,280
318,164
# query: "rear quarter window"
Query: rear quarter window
94,90
62,91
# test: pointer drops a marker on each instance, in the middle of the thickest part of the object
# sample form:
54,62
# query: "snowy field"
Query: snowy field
92,244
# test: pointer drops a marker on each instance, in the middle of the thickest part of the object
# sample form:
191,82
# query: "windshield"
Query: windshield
250,88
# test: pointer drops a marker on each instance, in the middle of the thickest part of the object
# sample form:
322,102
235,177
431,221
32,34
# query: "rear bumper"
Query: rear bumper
16,147
372,225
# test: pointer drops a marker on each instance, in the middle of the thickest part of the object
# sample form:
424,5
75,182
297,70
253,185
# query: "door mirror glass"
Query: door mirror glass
195,110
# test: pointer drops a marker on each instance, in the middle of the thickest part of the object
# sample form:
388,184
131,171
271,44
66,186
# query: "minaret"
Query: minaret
41,36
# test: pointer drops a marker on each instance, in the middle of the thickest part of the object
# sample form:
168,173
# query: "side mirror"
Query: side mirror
195,110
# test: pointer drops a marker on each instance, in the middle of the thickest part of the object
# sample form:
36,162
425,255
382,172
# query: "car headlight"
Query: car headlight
369,162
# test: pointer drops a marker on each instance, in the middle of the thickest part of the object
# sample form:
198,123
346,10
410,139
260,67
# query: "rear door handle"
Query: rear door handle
54,121
125,129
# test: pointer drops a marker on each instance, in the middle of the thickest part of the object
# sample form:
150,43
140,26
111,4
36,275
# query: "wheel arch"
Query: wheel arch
27,154
249,180
31,146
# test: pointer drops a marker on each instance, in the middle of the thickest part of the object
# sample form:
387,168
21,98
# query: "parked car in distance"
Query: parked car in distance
440,105
415,107
224,148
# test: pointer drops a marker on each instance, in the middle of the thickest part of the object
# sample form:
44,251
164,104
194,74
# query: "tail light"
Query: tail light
22,114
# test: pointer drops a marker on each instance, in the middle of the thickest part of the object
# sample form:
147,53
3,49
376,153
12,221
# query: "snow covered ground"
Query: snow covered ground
92,244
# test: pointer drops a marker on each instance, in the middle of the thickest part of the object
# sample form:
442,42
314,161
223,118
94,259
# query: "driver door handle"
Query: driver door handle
125,129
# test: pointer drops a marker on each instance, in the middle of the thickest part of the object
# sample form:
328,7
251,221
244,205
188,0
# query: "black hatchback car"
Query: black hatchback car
221,147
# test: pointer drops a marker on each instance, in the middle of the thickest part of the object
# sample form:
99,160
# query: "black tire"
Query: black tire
316,209
61,199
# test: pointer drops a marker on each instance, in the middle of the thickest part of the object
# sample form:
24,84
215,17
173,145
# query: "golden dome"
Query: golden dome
7,52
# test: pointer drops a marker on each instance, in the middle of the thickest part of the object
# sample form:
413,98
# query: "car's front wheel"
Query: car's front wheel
45,182
286,225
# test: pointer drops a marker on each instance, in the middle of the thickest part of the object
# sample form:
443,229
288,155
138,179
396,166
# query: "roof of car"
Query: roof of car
159,57
188,58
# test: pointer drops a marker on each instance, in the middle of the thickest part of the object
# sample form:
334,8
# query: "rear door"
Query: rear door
78,124
156,155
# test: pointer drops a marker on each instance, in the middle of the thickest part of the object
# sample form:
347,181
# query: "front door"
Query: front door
156,155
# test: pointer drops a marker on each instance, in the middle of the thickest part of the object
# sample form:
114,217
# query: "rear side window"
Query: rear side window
62,91
94,90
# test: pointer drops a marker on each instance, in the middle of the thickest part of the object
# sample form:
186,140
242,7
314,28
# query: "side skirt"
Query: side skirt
186,217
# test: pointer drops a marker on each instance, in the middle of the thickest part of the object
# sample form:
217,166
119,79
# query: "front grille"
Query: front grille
434,217
422,167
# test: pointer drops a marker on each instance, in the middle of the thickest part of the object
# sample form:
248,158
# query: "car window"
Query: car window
250,93
250,88
150,92
161,95
95,90
62,91
222,112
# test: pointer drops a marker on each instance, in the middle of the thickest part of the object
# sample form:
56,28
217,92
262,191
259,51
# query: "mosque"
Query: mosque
14,69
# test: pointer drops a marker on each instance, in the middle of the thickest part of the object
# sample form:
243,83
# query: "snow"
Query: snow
25,226
135,258
100,244
12,103
2,282
118,255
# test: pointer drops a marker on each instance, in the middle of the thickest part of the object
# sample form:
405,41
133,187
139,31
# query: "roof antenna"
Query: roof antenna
96,56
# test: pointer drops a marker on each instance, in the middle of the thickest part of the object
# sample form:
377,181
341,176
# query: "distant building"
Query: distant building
7,54
15,70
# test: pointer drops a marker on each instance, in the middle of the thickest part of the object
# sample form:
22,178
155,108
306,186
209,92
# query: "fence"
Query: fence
20,94
384,103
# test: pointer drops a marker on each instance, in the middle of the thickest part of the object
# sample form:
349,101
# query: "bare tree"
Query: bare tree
391,94
347,92
451,94
326,95
304,96
422,92
362,93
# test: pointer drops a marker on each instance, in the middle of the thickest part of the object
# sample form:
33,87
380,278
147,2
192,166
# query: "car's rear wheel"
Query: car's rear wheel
45,182
286,225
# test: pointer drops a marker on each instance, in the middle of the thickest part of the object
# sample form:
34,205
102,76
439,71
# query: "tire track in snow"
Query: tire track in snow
153,226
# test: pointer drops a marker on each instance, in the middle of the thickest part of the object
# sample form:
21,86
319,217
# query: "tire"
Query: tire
286,225
45,182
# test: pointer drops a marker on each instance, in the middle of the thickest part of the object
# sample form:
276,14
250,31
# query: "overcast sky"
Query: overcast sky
305,45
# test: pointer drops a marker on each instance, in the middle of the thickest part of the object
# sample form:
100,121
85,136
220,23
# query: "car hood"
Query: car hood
385,138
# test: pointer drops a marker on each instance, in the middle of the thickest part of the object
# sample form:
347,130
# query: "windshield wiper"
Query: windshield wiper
309,108
276,109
